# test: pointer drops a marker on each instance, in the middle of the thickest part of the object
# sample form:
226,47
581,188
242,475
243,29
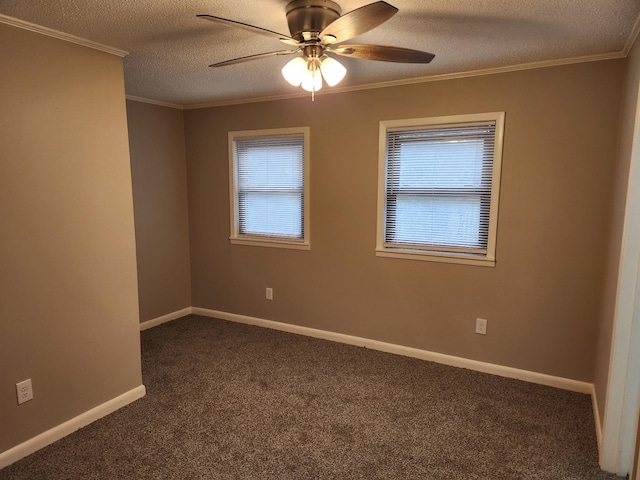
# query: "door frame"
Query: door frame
623,388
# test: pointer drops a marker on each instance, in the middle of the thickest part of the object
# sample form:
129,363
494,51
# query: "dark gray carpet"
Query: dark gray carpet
231,401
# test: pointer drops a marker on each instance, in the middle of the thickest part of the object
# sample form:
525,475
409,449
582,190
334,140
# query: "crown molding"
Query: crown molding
241,101
154,102
16,22
425,79
486,71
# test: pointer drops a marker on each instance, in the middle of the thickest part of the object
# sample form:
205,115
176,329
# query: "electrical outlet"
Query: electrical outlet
24,390
481,326
269,293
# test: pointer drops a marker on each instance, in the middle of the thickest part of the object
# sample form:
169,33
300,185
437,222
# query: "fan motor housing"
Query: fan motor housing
304,16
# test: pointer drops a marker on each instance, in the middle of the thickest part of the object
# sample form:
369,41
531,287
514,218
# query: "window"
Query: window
439,181
268,187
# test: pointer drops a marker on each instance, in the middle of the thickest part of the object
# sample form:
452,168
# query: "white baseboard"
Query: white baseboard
165,318
56,433
596,418
46,438
509,372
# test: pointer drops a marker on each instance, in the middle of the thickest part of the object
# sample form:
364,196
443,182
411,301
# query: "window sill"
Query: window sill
436,257
271,242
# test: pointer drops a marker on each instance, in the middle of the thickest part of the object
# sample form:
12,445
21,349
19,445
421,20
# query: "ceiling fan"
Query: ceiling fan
318,29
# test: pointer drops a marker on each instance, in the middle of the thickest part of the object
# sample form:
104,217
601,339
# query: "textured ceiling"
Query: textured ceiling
170,48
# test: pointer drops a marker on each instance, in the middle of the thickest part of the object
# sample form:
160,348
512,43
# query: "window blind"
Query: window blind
270,186
438,187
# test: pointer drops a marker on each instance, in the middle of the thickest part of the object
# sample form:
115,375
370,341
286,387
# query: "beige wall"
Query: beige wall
68,308
159,175
543,297
631,80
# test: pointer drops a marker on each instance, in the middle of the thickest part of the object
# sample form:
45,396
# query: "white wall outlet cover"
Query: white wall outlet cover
269,293
481,326
24,390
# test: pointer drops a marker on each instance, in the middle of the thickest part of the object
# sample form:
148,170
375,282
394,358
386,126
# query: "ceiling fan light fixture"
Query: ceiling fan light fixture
318,27
294,71
332,71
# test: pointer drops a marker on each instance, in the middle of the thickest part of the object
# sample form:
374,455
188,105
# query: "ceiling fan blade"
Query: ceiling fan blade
250,28
253,57
383,53
357,22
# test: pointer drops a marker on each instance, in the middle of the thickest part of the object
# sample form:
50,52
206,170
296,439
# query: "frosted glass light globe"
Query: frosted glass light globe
332,71
294,71
312,81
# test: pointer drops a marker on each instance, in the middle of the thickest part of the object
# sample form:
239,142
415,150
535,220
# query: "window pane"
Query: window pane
269,185
442,220
438,186
439,164
269,166
271,214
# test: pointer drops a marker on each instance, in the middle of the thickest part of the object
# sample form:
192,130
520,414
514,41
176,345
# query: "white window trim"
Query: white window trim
261,241
488,260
